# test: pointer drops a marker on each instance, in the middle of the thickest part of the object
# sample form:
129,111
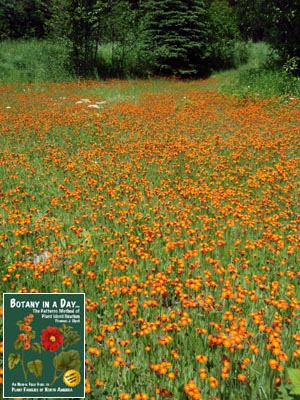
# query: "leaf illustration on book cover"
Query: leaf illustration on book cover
72,338
31,334
18,344
67,360
35,367
36,347
13,360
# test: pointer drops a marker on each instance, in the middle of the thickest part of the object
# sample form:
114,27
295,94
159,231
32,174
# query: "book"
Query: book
43,345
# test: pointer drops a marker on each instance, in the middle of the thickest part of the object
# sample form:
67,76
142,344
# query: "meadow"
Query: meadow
175,208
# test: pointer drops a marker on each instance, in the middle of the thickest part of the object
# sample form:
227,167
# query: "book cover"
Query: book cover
43,345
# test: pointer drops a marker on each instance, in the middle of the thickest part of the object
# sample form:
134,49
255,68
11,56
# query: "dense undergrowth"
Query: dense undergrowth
262,75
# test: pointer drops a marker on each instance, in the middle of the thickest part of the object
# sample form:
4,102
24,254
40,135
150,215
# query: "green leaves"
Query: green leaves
18,344
35,367
71,338
36,347
67,360
13,360
294,375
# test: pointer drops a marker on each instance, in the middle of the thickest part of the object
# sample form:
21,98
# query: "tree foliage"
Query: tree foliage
223,34
275,21
251,18
283,22
164,37
26,18
176,35
79,22
121,30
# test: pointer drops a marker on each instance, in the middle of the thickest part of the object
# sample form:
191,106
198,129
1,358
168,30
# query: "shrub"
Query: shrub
262,74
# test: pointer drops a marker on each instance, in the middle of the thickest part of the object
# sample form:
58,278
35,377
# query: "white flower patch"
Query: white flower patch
42,257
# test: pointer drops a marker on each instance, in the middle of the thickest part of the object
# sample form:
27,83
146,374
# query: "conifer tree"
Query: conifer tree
176,36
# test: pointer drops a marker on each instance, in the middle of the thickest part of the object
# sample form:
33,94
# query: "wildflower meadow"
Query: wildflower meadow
175,209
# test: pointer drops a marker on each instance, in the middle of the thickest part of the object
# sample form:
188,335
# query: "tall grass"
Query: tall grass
261,75
34,60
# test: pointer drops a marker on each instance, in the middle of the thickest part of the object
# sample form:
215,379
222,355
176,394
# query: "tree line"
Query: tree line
155,37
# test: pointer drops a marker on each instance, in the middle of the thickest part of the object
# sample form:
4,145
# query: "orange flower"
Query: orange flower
201,359
192,391
203,373
124,396
273,364
88,388
95,351
213,382
141,396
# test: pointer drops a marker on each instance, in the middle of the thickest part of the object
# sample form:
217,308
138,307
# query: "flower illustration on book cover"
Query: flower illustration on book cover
53,339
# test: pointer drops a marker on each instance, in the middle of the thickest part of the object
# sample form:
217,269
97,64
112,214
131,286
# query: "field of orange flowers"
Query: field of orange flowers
176,210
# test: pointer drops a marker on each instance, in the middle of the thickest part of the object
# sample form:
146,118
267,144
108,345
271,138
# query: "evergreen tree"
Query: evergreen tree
176,36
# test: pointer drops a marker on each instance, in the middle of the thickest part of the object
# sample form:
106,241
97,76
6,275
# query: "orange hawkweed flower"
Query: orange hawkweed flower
273,364
202,373
213,382
88,388
201,359
191,390
141,396
242,378
95,351
296,353
124,396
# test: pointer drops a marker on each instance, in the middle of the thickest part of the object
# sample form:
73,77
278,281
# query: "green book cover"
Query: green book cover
44,345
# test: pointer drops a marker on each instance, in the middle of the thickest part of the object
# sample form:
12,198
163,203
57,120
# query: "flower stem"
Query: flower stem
23,366
55,377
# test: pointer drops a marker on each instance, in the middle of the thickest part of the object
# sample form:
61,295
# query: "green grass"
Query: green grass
260,76
38,61
34,61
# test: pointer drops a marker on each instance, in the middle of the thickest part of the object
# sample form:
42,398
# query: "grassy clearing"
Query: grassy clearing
34,61
260,77
176,210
